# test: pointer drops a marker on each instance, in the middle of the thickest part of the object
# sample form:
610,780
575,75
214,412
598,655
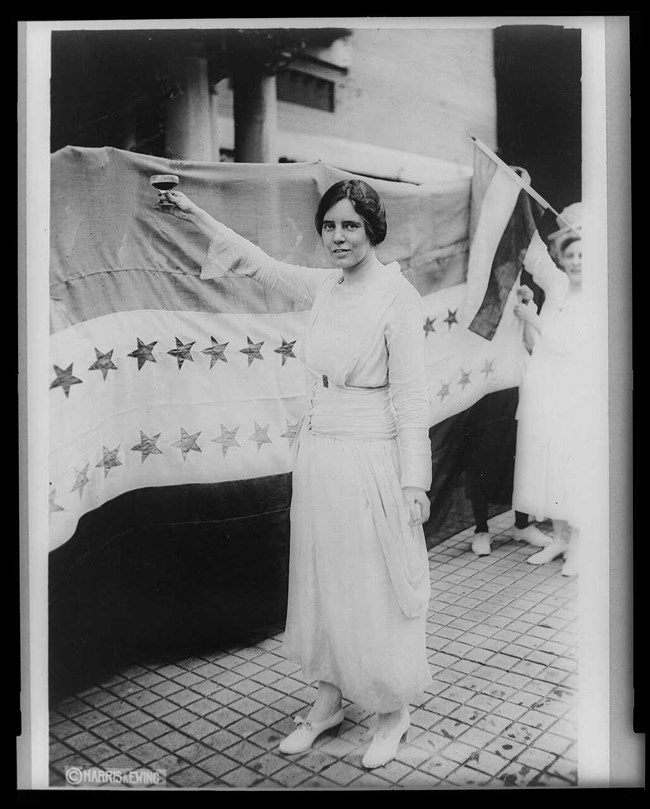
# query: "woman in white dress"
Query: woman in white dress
547,465
358,573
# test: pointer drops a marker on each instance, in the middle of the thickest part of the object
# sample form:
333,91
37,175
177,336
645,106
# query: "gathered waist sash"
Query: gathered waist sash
362,414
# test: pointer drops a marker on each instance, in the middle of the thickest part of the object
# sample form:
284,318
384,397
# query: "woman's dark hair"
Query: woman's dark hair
567,240
365,201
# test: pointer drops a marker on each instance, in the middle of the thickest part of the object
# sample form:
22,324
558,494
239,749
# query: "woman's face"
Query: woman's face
571,261
344,235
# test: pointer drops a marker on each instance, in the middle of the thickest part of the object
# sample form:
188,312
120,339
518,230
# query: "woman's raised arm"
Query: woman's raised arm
542,267
181,206
230,253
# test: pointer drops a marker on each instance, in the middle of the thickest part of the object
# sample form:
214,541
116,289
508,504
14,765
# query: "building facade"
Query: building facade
396,103
379,99
393,103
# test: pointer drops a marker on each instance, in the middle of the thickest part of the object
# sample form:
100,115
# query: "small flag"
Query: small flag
503,219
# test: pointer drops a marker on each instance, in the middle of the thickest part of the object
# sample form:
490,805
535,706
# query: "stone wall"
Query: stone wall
420,91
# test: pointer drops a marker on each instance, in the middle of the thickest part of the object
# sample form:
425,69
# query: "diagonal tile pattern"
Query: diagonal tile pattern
502,647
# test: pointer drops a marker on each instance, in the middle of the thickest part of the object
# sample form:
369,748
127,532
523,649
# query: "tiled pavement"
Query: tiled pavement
501,710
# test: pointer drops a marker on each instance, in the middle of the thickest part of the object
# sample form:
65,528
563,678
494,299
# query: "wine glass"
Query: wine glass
164,182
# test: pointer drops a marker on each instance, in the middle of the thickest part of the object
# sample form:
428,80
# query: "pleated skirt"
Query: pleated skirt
358,576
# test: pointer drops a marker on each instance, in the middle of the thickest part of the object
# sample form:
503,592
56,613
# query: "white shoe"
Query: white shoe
570,566
305,734
532,535
550,552
383,747
481,544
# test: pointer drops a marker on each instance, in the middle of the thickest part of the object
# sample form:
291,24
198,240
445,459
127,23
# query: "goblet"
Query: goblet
163,182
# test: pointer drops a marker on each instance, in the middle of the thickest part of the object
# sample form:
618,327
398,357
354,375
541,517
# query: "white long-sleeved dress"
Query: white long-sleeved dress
358,572
551,407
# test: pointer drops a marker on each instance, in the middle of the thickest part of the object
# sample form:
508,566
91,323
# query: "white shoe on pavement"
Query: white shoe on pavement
383,747
532,536
481,544
570,566
547,554
306,733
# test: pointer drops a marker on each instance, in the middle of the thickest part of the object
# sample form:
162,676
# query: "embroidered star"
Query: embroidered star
253,351
444,391
464,378
182,352
187,443
227,439
54,506
81,481
451,317
216,351
103,363
428,326
65,379
285,350
109,460
292,431
487,368
143,353
260,436
147,446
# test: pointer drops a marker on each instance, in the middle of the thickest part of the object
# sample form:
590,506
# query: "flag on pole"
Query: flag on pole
477,366
503,218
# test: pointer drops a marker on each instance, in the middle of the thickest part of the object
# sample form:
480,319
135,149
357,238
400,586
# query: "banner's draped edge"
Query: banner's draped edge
103,222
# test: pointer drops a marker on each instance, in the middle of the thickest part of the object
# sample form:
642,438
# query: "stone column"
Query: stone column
255,111
189,119
214,123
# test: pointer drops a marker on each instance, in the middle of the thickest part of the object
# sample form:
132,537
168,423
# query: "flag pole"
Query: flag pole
521,183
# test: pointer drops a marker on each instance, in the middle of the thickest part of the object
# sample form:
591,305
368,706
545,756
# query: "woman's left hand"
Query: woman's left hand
526,312
418,505
525,294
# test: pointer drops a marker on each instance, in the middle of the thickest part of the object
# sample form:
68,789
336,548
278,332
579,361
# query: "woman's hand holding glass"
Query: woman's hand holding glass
176,204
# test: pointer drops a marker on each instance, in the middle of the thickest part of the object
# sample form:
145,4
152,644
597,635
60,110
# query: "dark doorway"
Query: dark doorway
538,74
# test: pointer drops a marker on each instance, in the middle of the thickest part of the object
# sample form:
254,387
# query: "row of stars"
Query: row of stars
449,320
188,442
464,381
65,378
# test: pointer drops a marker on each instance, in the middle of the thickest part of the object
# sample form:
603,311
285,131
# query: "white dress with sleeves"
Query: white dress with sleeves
358,572
551,410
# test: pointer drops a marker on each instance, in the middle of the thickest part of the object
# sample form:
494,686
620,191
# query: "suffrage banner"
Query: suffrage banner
174,401
162,379
159,378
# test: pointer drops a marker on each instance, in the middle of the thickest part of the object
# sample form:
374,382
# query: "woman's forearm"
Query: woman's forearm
229,252
529,336
534,325
203,222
